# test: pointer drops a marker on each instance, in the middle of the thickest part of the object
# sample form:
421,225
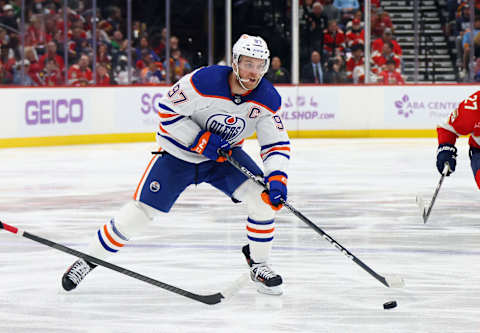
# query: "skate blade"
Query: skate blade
274,291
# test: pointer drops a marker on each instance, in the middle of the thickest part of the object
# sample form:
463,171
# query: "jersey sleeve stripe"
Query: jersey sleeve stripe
169,122
176,143
166,108
166,115
163,129
280,143
239,143
275,153
275,149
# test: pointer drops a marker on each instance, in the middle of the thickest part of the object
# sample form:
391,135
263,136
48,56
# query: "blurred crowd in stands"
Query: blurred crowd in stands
458,26
334,41
331,32
45,38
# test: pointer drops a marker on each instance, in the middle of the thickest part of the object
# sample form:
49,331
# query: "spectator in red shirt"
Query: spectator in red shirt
333,40
160,46
380,59
380,21
5,76
51,28
390,74
102,77
35,33
52,75
377,44
355,65
51,54
145,60
356,35
103,56
34,70
80,74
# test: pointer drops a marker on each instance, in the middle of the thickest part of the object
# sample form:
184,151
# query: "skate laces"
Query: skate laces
78,271
263,270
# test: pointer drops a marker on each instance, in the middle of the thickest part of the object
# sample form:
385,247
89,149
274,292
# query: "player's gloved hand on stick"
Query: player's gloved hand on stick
208,144
277,189
446,153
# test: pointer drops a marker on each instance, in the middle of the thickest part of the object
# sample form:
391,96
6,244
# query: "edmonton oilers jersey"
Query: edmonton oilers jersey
202,100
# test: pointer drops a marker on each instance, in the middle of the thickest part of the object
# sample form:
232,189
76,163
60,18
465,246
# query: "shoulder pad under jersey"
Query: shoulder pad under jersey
212,81
266,95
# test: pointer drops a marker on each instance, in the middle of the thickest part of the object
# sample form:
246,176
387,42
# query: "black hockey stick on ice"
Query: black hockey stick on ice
206,299
388,281
426,207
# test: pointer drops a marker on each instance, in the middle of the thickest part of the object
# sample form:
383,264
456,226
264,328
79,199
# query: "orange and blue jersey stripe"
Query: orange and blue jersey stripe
278,148
168,116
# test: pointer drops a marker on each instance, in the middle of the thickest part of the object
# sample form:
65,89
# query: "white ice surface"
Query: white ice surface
361,192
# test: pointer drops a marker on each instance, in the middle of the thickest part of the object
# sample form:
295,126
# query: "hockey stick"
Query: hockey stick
392,281
426,207
206,299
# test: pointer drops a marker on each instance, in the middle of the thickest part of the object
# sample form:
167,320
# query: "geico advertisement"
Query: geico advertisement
53,112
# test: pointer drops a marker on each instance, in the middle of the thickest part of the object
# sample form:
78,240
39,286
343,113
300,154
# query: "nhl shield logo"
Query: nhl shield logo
154,186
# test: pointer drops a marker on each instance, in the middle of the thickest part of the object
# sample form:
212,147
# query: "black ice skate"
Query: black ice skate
76,273
268,282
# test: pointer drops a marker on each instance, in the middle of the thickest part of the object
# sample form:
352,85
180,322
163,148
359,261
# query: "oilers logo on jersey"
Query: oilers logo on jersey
226,126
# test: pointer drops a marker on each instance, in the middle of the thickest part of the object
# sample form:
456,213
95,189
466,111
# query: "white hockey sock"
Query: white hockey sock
131,220
260,238
107,241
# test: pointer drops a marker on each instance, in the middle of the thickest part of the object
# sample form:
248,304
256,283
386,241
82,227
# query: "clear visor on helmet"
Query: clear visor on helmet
248,64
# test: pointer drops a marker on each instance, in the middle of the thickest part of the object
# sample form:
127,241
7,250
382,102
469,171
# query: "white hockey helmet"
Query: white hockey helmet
251,46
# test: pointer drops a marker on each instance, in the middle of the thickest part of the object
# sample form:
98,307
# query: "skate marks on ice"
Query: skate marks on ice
362,192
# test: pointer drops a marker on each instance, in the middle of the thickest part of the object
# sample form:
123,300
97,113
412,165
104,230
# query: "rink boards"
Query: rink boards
55,116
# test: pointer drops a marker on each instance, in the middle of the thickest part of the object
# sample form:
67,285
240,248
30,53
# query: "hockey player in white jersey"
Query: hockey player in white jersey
213,108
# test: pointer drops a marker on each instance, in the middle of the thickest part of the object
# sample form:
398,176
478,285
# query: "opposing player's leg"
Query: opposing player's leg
163,181
475,164
260,222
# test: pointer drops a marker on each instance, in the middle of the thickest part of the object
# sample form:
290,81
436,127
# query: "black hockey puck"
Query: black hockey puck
390,305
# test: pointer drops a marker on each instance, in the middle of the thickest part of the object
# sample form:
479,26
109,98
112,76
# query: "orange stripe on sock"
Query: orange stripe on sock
260,231
110,238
